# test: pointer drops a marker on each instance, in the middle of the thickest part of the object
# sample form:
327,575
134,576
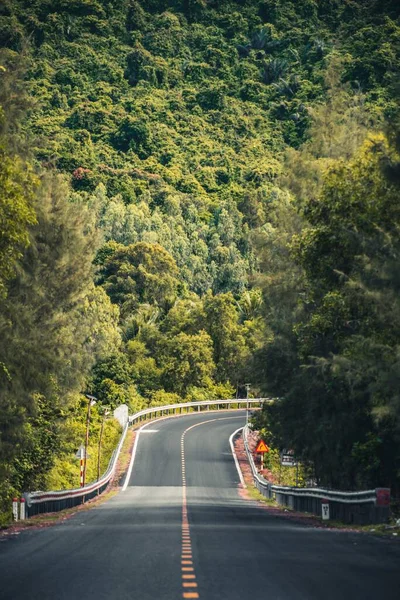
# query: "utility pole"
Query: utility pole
91,401
247,386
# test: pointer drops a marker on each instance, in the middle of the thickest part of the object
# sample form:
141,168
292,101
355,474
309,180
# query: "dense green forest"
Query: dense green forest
196,194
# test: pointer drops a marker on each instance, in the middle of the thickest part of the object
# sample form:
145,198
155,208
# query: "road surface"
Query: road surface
181,530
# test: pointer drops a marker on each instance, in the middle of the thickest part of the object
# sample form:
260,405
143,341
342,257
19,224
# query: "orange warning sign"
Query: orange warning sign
262,447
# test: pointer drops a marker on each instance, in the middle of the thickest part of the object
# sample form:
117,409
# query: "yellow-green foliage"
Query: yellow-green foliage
283,475
213,392
17,183
163,398
65,473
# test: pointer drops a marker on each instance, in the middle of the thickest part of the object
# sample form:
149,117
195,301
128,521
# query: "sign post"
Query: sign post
262,449
288,458
247,386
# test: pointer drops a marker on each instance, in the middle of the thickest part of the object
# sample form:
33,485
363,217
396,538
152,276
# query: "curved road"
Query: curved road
181,530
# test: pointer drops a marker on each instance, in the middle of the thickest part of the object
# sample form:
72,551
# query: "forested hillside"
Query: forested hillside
196,194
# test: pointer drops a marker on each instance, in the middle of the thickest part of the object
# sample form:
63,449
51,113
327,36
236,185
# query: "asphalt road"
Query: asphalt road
162,540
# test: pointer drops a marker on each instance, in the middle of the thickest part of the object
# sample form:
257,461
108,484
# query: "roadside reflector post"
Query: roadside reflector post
22,512
15,509
325,509
81,455
81,473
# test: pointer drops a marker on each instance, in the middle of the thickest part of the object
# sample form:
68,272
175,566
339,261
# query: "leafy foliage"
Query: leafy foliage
16,213
340,401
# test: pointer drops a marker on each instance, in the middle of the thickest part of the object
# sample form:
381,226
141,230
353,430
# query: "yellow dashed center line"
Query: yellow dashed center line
186,540
187,569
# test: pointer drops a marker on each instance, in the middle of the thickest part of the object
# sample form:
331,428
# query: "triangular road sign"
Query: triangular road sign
262,447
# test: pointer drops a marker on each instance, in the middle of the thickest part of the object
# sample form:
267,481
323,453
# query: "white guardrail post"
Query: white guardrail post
15,511
53,501
22,511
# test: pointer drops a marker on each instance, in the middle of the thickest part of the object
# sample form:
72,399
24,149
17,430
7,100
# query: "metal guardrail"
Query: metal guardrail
350,507
176,409
54,501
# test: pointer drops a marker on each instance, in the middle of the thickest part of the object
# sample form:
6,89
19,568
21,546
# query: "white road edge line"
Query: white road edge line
235,457
129,473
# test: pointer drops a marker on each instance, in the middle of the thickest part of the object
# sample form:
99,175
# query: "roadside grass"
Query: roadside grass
125,455
256,495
